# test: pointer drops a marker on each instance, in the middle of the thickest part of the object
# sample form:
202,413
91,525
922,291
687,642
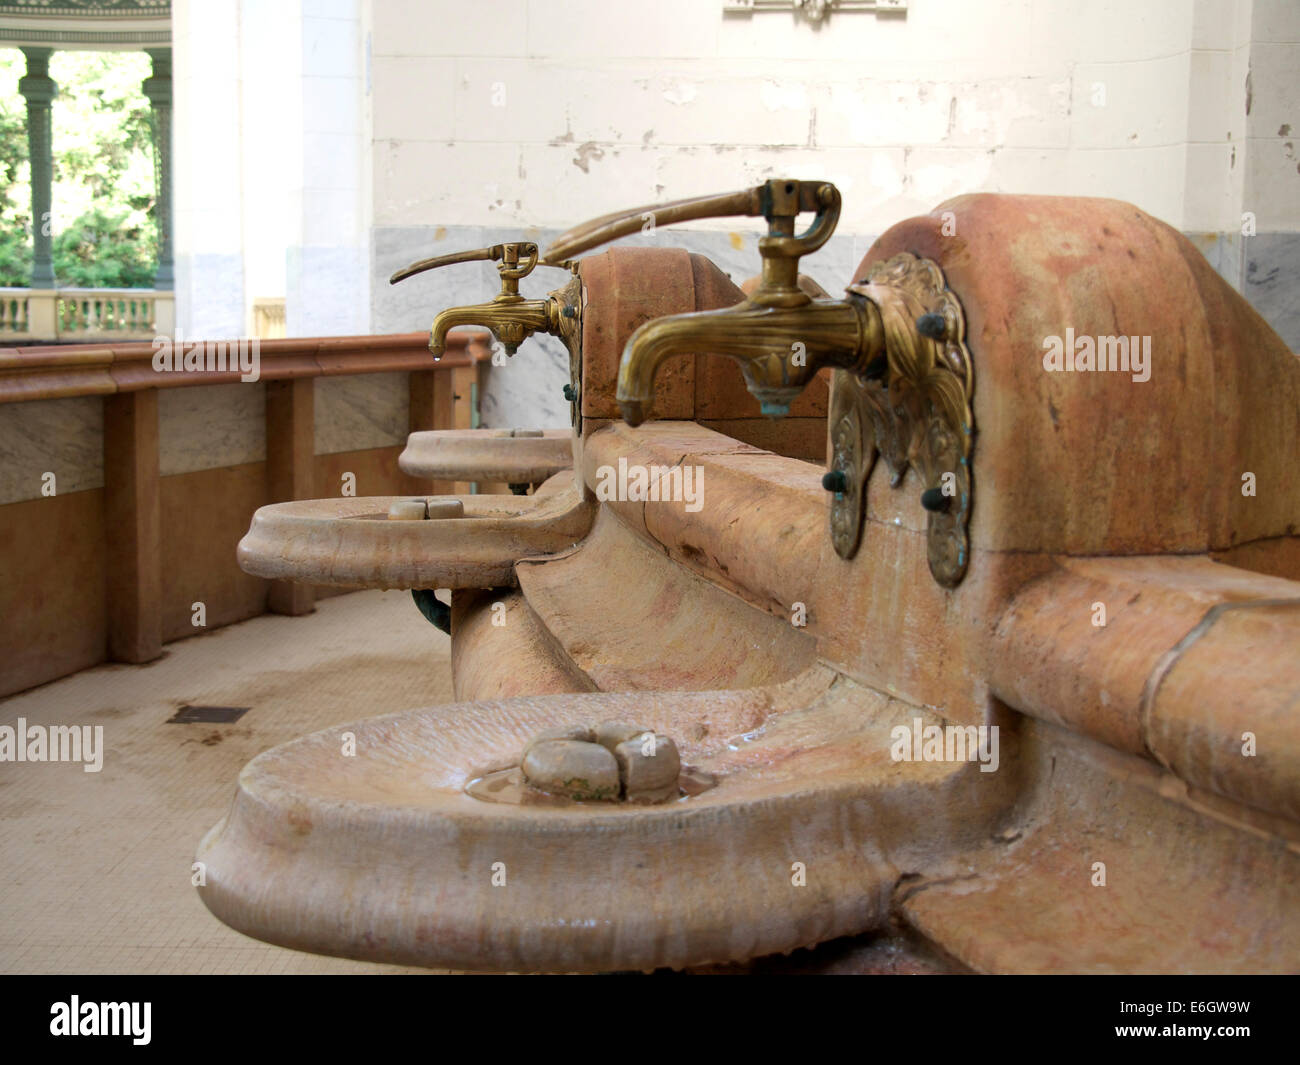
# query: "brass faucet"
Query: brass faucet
897,341
780,335
511,318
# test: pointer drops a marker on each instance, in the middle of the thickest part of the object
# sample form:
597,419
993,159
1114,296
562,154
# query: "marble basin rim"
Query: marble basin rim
384,856
349,541
487,455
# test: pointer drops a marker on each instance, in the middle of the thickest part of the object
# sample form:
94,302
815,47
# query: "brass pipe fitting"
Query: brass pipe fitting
511,318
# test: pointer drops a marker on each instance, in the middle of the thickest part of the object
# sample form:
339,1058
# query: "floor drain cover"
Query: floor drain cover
219,714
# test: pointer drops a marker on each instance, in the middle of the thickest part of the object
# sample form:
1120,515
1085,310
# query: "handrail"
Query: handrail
63,370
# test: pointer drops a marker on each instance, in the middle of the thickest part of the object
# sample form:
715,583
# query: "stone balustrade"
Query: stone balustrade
85,314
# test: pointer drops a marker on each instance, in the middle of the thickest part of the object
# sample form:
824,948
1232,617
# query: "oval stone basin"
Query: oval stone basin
383,855
354,542
506,456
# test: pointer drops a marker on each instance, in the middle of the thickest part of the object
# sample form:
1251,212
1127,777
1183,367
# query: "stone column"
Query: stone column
38,89
133,520
158,90
208,231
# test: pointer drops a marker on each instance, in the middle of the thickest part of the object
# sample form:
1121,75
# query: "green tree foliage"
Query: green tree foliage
104,250
103,225
15,200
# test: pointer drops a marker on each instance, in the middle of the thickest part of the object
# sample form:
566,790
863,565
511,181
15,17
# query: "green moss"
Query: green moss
580,788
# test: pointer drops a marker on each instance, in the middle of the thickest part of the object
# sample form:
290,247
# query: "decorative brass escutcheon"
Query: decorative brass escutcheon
917,410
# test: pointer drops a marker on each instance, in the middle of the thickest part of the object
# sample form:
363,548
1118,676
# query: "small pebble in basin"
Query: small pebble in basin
444,507
611,762
434,507
574,768
561,732
407,510
648,767
611,733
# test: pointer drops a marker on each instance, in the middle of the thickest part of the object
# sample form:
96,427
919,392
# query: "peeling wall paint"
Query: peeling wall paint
605,106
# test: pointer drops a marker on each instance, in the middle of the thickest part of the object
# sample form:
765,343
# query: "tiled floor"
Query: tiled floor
95,867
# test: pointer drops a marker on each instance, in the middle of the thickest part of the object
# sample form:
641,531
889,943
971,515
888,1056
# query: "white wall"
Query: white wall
329,261
519,118
271,105
1273,122
272,177
207,145
543,112
320,144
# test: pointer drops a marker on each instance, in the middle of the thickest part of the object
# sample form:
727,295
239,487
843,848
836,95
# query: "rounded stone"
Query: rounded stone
611,733
444,507
407,510
560,732
572,768
648,767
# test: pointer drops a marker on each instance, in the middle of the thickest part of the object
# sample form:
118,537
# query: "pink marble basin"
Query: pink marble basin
506,456
385,856
353,542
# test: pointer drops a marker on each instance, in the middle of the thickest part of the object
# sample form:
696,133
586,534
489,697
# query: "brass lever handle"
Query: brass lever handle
602,230
508,255
779,200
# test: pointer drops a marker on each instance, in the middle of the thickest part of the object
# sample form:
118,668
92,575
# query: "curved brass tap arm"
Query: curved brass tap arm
506,254
780,201
510,317
779,335
602,230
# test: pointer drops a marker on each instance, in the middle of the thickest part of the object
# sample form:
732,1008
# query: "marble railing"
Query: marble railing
58,371
127,482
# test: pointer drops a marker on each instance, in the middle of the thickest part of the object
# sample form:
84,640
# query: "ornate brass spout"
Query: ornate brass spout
511,318
510,322
897,341
780,335
779,349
